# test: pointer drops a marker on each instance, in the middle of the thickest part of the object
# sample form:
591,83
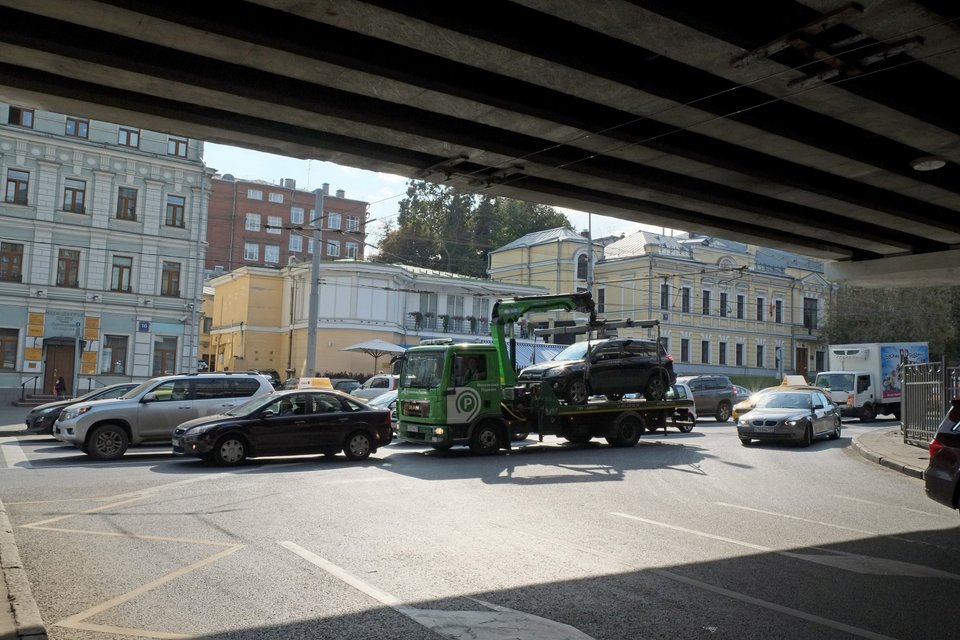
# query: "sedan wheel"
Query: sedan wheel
807,436
229,450
107,442
358,446
835,434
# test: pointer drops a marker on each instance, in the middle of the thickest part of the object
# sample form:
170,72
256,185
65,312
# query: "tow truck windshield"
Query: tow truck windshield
421,370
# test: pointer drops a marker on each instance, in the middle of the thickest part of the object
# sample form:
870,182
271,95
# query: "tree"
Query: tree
441,227
924,314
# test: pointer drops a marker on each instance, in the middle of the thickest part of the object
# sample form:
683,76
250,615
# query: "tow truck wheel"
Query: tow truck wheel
576,392
485,439
627,430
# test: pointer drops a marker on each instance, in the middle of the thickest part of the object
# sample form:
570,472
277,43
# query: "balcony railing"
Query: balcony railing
462,326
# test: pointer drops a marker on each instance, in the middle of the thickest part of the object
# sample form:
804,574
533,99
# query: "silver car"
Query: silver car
796,415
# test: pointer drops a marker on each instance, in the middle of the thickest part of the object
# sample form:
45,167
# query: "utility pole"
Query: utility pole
309,367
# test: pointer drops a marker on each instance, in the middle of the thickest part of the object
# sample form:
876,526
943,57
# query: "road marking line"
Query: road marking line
15,456
82,513
702,534
798,518
341,574
133,536
880,504
76,621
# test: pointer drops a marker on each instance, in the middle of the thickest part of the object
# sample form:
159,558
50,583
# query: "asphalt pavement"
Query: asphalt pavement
20,616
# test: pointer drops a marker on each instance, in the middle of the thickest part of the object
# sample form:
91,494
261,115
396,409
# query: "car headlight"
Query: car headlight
795,420
75,412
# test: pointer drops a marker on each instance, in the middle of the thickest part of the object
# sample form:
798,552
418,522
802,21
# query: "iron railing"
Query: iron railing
926,393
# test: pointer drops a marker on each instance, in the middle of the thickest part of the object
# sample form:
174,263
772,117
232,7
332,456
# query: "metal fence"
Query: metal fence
927,390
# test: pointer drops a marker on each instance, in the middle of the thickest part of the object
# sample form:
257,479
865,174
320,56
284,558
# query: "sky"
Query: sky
382,190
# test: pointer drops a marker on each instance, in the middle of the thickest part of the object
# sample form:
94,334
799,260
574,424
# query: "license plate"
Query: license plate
412,428
763,429
176,442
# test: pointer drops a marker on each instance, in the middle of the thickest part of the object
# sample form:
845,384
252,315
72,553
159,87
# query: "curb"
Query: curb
873,456
23,608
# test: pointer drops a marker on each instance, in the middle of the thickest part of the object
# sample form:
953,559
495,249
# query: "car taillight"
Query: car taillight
935,447
669,357
389,417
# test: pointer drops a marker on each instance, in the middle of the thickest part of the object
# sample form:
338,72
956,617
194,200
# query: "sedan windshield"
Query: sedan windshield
785,401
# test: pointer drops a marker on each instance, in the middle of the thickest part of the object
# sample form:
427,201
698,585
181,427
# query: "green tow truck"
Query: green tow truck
467,394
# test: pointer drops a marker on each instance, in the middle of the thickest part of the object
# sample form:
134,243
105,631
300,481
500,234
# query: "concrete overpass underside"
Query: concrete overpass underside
826,128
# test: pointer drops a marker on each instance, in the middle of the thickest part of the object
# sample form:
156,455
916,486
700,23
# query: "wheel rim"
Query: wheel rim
359,445
836,431
231,451
655,388
108,442
487,438
578,392
723,412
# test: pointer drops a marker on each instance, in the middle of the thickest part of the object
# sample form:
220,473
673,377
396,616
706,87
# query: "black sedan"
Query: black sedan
942,477
40,419
287,423
796,415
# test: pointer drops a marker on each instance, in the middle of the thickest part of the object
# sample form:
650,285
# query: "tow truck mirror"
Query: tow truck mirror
817,406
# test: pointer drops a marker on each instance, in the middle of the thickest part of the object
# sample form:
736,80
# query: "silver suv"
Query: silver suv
149,413
713,395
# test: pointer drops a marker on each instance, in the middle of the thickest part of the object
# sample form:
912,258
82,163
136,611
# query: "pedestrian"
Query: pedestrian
60,387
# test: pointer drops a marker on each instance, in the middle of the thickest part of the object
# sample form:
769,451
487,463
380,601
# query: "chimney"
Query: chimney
289,183
341,193
326,188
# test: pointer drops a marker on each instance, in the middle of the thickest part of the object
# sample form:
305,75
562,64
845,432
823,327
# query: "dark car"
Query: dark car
715,395
287,423
272,374
942,477
797,415
611,367
40,419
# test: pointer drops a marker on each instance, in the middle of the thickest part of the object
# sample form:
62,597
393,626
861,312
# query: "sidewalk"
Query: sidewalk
20,617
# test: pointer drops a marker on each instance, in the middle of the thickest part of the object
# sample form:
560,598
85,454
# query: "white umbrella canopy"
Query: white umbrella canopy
376,348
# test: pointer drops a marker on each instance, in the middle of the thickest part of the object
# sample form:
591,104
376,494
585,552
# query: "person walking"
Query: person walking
60,387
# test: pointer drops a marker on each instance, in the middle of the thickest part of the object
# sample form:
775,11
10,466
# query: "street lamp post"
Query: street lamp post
314,311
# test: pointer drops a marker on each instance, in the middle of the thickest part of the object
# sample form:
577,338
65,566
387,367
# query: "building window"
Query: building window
333,221
664,296
77,127
582,267
309,245
601,300
706,302
254,194
8,348
760,308
722,353
810,314
684,349
177,147
275,197
126,204
296,215
114,354
74,192
271,253
705,351
295,244
759,356
18,184
352,250
274,224
175,210
723,305
164,355
820,361
129,137
120,275
21,117
170,279
739,354
252,222
741,307
353,223
251,251
68,268
333,248
778,311
685,300
11,262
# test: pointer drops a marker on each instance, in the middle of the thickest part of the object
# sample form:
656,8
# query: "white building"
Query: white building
101,247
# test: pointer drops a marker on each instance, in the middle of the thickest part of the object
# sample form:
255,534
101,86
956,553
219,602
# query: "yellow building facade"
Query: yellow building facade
722,306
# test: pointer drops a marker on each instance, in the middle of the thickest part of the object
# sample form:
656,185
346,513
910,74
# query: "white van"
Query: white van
149,413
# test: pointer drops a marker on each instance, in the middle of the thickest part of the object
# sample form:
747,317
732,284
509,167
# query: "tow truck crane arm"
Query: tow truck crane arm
512,309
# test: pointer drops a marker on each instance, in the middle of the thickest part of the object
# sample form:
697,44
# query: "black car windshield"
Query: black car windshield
576,351
251,406
785,401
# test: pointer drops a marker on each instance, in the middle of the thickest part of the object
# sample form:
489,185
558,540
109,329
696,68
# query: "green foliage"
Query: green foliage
923,314
440,227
